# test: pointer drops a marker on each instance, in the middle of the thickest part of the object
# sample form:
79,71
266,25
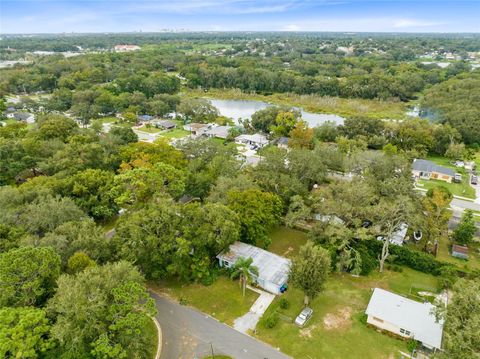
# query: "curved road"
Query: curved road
190,334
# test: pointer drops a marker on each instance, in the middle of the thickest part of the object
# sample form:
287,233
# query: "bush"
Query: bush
284,303
271,320
412,345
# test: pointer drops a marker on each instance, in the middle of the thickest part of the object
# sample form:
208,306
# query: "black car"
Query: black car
474,180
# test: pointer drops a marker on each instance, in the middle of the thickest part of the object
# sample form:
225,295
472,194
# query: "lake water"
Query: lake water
244,109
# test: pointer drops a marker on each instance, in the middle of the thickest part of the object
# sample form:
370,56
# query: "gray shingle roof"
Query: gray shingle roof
429,166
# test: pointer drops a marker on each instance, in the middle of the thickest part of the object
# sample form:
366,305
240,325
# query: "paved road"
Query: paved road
188,334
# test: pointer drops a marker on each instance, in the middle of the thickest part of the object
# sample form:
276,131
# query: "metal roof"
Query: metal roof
271,267
429,166
418,318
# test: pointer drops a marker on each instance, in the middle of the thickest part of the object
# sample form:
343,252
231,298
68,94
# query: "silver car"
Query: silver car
304,316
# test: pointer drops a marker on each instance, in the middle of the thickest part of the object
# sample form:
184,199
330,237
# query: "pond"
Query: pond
244,109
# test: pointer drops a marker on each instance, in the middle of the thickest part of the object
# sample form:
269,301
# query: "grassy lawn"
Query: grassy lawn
286,241
337,328
222,300
458,189
149,129
474,255
175,133
315,103
150,336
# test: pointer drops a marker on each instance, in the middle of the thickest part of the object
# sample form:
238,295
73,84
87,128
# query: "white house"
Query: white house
197,129
257,140
218,132
272,269
405,317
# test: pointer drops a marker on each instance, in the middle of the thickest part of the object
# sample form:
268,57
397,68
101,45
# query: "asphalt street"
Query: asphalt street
190,334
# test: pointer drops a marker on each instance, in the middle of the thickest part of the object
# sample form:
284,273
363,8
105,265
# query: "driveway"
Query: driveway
190,334
249,321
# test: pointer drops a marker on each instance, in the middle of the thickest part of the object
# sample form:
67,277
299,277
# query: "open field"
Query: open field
337,328
315,103
222,300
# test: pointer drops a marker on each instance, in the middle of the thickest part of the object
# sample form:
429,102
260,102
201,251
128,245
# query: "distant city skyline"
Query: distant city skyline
58,16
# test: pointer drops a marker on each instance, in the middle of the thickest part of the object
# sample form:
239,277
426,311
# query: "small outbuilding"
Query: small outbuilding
405,317
273,269
459,251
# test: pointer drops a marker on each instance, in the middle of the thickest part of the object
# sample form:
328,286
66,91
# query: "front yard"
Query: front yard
458,189
222,300
338,328
175,133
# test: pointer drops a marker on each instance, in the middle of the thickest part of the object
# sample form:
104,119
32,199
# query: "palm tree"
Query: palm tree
244,270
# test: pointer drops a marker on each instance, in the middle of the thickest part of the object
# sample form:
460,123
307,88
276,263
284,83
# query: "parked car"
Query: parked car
304,316
474,180
457,178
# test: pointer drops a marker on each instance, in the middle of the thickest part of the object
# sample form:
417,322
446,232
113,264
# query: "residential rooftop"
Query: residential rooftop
416,317
271,267
429,166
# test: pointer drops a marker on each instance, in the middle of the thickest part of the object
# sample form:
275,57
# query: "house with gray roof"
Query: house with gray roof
219,132
423,169
165,124
405,317
273,269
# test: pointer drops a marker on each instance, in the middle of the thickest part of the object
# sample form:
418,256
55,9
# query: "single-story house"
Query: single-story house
197,129
166,124
328,219
144,118
22,116
273,269
460,251
398,236
282,142
405,317
219,132
429,170
256,140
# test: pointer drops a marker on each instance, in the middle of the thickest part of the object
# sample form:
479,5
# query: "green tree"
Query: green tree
244,271
24,332
197,110
461,335
78,262
284,123
110,322
138,185
436,205
455,151
27,276
258,212
466,229
310,270
47,213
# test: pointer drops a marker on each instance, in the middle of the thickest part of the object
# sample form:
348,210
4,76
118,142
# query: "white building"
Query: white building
272,269
257,140
125,48
405,317
218,132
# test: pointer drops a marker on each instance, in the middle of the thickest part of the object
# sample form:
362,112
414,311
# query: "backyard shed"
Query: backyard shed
272,269
405,317
460,251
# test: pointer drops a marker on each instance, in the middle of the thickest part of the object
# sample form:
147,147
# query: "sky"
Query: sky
57,16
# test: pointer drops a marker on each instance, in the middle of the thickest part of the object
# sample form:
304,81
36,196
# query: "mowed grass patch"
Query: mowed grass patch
286,242
175,133
444,254
222,300
338,327
462,189
150,337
